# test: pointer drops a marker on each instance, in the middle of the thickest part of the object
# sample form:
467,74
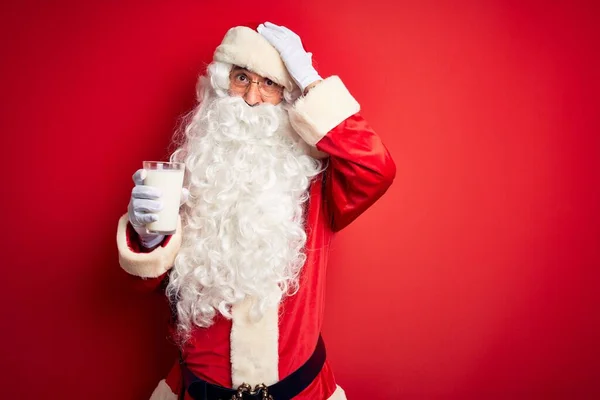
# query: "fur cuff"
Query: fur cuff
254,346
324,107
146,265
339,394
163,392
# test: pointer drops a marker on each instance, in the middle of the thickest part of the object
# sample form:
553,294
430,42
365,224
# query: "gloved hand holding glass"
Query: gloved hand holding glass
155,199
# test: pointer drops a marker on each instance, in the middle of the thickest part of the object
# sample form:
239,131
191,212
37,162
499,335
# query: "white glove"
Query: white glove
297,61
144,204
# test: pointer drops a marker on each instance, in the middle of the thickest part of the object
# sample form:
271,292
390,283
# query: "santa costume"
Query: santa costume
282,344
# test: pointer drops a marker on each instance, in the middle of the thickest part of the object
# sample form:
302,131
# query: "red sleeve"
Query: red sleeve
360,170
174,378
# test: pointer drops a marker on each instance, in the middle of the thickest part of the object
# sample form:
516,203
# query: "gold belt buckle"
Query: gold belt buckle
261,390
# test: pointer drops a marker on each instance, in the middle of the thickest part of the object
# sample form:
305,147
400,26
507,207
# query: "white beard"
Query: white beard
243,227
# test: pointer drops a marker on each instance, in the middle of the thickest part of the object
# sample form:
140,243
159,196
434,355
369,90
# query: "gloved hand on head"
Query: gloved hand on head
289,45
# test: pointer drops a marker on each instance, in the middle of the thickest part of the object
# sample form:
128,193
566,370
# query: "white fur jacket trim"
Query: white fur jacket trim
325,106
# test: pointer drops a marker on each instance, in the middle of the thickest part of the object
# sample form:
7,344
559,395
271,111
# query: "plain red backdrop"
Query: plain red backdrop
476,276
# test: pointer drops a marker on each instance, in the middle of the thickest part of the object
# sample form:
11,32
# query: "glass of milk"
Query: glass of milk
168,178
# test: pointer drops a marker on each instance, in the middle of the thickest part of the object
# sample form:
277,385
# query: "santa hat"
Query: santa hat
246,48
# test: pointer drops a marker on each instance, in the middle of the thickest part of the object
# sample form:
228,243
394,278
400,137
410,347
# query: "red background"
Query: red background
476,276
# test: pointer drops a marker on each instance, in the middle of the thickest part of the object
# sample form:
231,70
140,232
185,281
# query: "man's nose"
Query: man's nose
252,96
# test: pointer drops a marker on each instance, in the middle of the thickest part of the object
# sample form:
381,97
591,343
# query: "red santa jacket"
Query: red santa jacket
230,352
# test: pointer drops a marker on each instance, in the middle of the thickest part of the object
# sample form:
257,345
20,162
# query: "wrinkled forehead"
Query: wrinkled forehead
248,72
235,68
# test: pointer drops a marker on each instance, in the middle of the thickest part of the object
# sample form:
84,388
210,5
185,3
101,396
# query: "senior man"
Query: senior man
277,160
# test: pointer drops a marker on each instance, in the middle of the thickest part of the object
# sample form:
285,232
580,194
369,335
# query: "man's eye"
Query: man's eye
269,82
242,78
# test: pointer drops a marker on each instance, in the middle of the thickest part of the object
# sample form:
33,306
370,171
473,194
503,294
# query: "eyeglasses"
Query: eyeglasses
241,82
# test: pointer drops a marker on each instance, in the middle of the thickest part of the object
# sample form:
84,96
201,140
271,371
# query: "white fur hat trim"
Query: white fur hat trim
248,49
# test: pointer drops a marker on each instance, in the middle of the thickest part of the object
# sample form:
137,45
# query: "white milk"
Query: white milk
170,182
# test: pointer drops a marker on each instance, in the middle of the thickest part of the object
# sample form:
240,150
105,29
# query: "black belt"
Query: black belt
285,389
